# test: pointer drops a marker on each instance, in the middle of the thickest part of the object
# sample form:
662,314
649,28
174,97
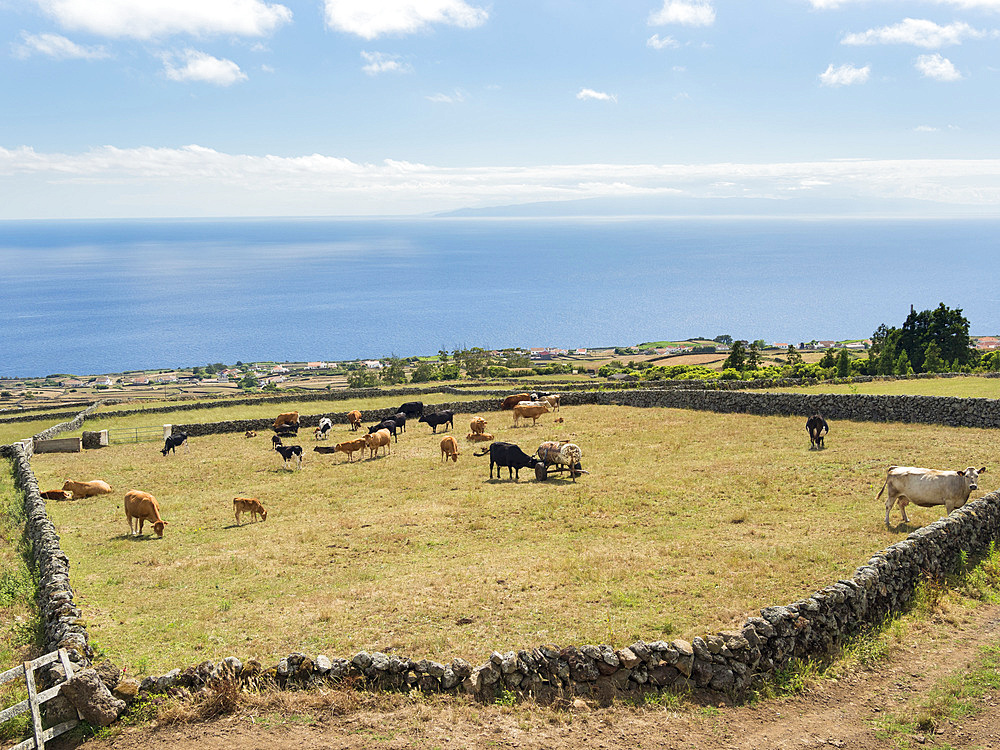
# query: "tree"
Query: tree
425,372
443,355
753,357
946,327
393,373
829,359
843,364
724,339
737,359
903,366
249,382
794,358
362,378
932,358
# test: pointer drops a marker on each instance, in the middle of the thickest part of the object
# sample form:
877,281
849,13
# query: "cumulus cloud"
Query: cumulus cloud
937,67
918,32
150,19
192,65
844,75
585,94
379,62
58,47
453,98
684,12
658,42
372,18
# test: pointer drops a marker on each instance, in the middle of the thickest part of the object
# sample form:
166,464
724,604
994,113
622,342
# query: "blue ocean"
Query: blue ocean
88,297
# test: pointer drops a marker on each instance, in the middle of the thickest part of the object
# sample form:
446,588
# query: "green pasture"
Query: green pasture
688,522
961,387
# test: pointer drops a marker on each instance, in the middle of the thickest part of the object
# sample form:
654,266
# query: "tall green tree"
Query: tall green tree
794,358
843,364
753,356
737,359
393,372
932,358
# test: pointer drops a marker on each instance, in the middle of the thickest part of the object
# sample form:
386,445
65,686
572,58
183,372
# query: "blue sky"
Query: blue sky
148,108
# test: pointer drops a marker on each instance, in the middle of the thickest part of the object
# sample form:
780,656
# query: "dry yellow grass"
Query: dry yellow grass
688,522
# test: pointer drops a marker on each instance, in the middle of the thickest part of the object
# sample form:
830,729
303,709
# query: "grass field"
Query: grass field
961,387
688,522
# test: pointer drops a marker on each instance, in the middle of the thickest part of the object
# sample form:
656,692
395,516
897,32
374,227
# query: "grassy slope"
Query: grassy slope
962,387
689,521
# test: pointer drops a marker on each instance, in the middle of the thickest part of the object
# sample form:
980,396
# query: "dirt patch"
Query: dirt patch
838,713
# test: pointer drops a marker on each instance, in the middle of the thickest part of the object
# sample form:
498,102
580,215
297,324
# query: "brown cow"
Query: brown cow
532,410
479,437
57,495
354,418
511,401
349,446
250,434
449,449
552,400
249,505
141,506
478,425
376,440
290,418
86,489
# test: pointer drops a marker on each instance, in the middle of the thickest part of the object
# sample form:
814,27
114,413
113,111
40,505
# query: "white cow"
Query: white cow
928,487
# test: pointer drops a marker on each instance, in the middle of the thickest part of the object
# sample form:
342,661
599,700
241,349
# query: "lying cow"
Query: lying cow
57,495
86,489
449,449
249,505
354,419
288,419
439,418
141,507
817,427
531,410
511,401
510,456
927,488
173,441
250,434
479,437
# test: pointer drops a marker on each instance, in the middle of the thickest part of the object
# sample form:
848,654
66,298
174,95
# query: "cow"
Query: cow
385,424
249,505
509,455
354,419
349,447
57,495
400,419
477,425
531,410
172,441
449,449
439,418
289,419
511,401
928,487
86,489
325,425
288,452
552,400
275,441
817,427
479,437
250,434
140,507
562,454
412,409
375,440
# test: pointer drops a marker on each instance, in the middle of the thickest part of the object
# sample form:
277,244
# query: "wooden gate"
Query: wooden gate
35,699
135,435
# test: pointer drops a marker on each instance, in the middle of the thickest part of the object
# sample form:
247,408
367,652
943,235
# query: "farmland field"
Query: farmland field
688,522
961,387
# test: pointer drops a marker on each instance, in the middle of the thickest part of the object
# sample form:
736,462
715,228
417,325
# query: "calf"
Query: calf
354,419
249,505
250,434
275,441
86,489
817,427
140,507
927,488
288,452
449,449
350,446
439,418
509,455
172,441
376,440
57,495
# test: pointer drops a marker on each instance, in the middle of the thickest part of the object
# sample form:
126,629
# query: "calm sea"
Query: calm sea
95,297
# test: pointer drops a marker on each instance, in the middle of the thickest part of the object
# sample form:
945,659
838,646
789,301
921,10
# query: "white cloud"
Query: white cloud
192,65
56,46
926,129
684,12
371,18
600,96
844,75
378,62
657,42
918,32
937,67
149,19
454,98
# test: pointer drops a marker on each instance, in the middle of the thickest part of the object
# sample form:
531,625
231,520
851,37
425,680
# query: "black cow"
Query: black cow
400,419
288,430
412,409
275,441
439,418
817,427
288,452
172,441
385,424
509,455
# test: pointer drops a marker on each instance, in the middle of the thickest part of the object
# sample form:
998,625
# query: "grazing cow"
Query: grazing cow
86,489
141,506
412,409
288,452
325,425
289,419
172,441
511,401
509,455
531,410
385,424
562,454
250,434
927,488
350,446
375,440
449,449
439,418
354,419
479,437
249,505
57,495
817,427
477,425
552,400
